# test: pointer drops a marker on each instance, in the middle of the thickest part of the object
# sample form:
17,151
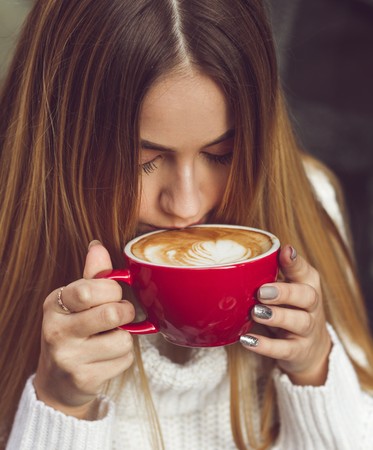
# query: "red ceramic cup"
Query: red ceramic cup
197,306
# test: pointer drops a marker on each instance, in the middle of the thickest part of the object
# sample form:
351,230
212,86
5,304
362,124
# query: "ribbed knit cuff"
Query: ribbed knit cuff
38,426
332,416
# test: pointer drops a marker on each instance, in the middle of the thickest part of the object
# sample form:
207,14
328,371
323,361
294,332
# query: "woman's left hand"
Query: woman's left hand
294,311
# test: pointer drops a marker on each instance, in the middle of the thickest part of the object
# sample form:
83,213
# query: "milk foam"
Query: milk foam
201,246
203,253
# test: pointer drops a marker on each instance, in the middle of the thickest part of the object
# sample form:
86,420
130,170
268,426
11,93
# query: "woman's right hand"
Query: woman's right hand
82,350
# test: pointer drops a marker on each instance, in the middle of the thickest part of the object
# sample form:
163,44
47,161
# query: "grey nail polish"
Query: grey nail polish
262,312
268,292
293,254
248,340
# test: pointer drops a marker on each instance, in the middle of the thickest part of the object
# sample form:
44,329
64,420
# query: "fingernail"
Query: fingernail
262,312
268,292
94,242
293,253
248,340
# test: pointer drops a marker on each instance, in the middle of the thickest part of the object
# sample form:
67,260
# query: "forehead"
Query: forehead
184,108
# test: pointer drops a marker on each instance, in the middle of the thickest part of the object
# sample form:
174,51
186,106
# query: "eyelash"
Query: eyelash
226,159
149,167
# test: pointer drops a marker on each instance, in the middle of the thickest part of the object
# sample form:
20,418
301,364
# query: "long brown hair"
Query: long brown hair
69,112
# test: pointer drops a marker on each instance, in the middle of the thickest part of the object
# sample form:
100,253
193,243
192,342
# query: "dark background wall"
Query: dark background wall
325,50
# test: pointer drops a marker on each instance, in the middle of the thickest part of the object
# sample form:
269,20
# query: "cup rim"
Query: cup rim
275,246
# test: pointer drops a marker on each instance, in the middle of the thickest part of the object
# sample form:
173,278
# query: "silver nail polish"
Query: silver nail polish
268,292
262,312
293,254
248,340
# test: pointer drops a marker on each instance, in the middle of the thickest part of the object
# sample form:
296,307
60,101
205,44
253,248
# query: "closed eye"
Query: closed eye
225,159
219,159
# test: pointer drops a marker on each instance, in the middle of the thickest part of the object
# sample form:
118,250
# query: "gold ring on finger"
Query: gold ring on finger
61,304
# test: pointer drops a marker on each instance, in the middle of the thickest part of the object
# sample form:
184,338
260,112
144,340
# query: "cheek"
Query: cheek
218,182
148,195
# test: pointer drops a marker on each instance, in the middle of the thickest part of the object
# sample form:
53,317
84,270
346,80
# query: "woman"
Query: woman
119,117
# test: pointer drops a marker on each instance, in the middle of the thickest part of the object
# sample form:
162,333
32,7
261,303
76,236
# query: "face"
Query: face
186,133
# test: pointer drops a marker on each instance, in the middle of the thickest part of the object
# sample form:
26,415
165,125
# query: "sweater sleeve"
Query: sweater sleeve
38,426
335,416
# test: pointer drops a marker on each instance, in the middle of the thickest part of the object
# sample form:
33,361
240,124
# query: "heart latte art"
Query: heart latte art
201,246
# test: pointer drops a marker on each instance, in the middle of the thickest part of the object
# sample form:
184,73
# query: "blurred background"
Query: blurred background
325,52
12,14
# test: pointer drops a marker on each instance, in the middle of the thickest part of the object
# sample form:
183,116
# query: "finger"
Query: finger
84,294
110,345
293,321
296,269
101,318
97,260
89,378
296,295
280,349
102,371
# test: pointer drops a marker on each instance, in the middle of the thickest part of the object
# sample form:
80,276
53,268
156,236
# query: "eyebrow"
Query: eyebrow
148,145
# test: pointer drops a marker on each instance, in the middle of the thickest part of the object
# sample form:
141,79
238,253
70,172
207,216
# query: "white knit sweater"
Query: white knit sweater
192,403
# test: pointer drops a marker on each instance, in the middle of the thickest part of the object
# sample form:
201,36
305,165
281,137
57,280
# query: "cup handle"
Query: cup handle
124,276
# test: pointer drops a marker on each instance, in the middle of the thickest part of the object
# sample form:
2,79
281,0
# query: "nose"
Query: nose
181,197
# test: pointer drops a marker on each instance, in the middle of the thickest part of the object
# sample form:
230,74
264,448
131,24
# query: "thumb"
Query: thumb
295,268
97,260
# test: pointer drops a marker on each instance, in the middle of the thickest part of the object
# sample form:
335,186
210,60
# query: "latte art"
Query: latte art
200,254
201,246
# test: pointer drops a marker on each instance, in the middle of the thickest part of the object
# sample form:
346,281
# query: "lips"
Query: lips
147,228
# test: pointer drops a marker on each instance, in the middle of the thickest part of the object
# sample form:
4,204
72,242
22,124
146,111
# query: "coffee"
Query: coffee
201,246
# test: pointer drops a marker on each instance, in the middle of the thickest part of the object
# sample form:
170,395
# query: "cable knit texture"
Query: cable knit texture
190,399
192,402
38,427
336,416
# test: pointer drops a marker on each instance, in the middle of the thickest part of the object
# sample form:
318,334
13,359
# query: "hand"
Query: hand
82,350
301,344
